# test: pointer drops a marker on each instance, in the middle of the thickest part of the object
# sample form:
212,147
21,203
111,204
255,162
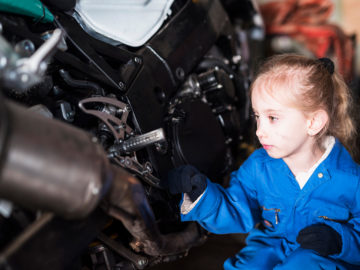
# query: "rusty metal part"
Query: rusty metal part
49,165
140,261
127,202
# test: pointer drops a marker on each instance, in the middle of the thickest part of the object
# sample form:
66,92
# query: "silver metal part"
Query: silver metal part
22,73
66,111
25,48
144,171
35,64
141,141
123,135
62,46
118,126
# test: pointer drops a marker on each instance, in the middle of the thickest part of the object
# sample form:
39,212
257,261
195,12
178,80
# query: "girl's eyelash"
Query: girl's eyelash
273,118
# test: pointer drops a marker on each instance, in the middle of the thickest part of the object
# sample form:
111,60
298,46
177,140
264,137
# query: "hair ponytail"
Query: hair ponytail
342,118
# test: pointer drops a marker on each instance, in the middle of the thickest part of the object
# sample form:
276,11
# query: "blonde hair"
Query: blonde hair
320,88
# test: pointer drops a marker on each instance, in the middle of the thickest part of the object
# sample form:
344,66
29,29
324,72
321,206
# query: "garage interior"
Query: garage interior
124,111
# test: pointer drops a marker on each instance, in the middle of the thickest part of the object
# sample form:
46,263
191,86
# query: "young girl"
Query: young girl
299,195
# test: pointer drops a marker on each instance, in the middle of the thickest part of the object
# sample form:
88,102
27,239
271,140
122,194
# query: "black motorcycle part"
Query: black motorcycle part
63,5
59,245
82,84
127,202
112,65
175,50
198,138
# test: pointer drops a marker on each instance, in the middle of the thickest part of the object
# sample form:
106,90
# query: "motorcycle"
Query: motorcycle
100,100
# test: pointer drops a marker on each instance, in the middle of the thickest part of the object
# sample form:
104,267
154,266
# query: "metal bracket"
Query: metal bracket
117,126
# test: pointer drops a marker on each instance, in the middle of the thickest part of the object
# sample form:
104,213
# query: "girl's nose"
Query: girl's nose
260,130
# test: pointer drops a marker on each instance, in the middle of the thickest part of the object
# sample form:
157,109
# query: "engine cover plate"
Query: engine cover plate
198,138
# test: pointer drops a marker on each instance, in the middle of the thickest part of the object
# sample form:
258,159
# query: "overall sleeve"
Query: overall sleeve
231,210
350,233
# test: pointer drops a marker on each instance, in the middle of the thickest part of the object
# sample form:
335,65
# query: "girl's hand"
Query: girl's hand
186,179
321,238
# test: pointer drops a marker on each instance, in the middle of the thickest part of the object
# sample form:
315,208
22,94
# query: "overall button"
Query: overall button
320,175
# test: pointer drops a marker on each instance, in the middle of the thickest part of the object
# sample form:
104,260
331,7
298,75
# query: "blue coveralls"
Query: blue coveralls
265,190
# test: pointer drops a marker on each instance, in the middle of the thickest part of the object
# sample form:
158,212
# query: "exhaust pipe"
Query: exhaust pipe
49,165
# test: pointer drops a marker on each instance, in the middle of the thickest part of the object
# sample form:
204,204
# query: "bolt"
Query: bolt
148,167
137,60
127,162
142,262
94,139
236,59
42,66
24,77
122,85
3,62
180,73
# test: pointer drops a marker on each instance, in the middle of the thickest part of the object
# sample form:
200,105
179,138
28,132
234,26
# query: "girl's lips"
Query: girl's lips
266,146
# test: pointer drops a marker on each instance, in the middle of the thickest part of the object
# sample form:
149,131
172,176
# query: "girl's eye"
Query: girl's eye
256,116
273,118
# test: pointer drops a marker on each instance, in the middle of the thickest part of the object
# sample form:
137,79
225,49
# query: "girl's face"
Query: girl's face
282,129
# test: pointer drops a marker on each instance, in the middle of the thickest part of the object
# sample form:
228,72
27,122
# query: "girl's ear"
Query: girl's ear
317,121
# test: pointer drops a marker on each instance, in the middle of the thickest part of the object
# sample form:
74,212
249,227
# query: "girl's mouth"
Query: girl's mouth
266,146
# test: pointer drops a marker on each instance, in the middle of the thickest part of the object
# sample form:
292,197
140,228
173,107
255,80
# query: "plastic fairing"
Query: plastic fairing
130,22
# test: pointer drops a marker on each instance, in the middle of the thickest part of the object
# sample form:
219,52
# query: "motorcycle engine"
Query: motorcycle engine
135,112
203,121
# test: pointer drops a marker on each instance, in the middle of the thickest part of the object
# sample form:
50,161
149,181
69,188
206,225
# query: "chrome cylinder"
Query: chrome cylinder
49,165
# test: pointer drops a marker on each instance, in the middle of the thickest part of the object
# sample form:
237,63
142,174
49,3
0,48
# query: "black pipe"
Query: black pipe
82,84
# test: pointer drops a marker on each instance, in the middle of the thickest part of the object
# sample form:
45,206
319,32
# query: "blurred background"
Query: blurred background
316,28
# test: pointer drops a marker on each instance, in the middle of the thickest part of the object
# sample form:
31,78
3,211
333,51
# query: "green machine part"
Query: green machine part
31,8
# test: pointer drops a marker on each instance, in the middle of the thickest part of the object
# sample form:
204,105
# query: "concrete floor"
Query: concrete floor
211,255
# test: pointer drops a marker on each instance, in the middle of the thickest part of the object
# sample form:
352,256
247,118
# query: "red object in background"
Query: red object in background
307,22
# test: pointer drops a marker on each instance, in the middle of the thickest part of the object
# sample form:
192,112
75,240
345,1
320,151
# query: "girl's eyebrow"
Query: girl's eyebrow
273,111
270,111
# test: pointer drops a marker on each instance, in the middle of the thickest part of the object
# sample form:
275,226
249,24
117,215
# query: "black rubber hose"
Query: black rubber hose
82,84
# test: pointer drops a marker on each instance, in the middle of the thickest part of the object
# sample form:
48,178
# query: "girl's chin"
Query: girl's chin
273,153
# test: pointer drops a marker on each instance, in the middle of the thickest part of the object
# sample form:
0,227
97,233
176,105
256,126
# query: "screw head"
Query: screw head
137,60
122,85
